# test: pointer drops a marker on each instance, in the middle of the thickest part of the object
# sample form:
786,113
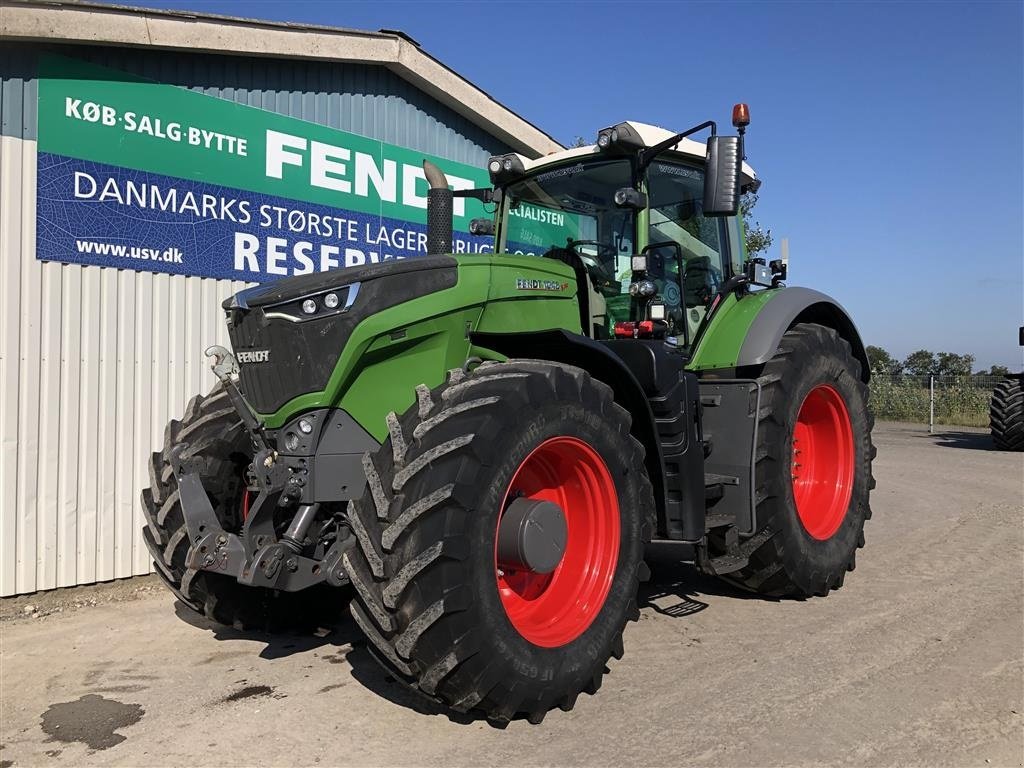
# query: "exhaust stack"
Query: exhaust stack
439,210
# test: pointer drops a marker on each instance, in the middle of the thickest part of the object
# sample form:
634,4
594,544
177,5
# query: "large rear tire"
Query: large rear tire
1006,414
213,431
813,470
438,608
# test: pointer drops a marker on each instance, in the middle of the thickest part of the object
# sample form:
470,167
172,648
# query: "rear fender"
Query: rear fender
789,307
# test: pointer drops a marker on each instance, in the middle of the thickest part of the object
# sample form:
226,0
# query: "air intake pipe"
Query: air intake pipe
439,210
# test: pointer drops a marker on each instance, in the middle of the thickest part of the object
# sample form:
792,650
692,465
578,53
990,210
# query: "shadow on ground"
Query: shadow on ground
675,577
345,639
674,590
976,441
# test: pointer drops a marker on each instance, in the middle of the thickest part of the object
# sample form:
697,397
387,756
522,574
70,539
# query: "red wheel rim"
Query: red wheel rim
823,461
553,609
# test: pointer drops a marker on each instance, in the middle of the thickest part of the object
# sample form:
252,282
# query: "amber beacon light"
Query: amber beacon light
740,116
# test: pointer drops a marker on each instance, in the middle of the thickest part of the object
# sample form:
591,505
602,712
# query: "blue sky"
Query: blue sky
890,136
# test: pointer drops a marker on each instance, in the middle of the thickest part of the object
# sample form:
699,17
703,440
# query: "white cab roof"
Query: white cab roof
651,135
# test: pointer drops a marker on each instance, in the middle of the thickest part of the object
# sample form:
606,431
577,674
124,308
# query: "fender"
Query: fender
788,307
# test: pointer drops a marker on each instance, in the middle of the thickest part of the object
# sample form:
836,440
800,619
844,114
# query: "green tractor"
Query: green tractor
478,448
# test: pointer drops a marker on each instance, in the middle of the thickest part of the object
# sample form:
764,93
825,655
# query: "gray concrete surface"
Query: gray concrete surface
916,661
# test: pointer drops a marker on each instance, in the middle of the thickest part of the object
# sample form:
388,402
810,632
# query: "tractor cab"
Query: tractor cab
633,214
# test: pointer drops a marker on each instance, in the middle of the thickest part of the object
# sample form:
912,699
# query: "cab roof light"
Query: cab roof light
505,168
619,139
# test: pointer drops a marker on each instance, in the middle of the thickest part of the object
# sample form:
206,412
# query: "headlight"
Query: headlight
333,301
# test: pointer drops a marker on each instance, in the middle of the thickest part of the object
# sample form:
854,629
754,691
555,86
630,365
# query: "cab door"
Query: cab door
688,285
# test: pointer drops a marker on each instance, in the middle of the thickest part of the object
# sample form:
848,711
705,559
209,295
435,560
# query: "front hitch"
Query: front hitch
256,557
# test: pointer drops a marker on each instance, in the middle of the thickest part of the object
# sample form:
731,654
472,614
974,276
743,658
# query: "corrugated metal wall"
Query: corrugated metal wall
95,361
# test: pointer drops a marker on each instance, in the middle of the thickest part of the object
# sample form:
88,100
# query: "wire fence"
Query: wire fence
951,400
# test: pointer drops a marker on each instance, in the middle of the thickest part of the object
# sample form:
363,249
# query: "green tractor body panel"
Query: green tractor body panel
529,294
720,344
393,350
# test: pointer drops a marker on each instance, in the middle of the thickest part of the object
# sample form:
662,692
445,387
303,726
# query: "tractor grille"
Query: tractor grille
281,358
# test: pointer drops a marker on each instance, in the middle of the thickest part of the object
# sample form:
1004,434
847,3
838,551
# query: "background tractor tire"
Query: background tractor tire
213,431
429,594
813,468
1006,414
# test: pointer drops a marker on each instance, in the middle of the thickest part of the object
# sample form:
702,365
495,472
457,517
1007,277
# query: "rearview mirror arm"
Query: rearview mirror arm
484,195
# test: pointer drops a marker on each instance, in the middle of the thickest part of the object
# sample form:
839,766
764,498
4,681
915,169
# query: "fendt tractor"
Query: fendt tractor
478,447
1006,410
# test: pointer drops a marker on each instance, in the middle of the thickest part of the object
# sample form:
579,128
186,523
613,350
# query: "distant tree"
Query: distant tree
759,239
882,362
996,370
952,364
578,142
920,363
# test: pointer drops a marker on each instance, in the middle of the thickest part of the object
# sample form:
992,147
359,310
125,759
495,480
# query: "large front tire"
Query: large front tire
813,469
436,606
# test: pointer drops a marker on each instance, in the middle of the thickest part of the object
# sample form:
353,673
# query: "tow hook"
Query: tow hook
225,367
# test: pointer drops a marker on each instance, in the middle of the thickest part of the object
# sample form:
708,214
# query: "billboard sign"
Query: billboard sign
140,175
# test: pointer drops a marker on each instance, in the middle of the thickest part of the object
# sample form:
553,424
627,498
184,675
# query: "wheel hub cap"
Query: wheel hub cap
531,536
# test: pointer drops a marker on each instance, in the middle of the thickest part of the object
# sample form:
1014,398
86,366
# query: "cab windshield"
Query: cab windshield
573,207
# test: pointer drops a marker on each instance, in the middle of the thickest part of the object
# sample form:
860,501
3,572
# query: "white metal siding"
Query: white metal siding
93,364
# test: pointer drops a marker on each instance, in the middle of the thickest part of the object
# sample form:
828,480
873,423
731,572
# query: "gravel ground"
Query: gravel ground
918,660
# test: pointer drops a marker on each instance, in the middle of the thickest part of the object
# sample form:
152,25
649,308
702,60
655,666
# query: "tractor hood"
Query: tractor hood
288,335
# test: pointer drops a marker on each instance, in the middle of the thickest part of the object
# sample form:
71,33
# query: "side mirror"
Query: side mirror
667,251
722,176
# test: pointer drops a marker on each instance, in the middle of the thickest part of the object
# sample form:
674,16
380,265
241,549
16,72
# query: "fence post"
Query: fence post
931,404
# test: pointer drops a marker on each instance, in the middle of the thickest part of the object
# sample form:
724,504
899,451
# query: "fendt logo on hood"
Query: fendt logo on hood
531,284
254,356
